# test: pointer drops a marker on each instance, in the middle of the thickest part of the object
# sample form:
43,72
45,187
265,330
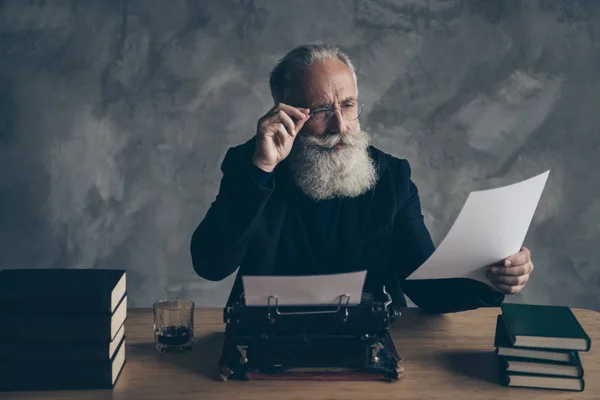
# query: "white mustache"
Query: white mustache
331,140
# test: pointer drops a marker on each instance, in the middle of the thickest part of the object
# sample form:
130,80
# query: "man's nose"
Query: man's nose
337,123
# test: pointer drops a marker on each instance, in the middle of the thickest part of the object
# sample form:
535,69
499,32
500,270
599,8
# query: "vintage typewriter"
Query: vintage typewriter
341,342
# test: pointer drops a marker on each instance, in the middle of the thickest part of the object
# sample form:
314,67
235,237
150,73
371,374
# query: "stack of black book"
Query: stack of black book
62,328
538,347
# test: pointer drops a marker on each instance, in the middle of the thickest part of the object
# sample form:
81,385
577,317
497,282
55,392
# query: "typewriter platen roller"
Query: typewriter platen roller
342,342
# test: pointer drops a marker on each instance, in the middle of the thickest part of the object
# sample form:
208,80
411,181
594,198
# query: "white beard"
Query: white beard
323,173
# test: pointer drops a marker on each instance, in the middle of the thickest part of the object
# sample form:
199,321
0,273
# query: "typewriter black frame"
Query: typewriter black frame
347,341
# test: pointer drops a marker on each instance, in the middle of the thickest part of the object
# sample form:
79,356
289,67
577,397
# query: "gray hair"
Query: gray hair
299,58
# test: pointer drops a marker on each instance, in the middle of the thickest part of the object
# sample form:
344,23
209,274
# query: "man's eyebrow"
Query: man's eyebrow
320,105
347,99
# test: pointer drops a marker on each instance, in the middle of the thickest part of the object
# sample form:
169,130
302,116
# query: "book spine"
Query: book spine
36,304
13,351
35,328
64,383
42,376
587,338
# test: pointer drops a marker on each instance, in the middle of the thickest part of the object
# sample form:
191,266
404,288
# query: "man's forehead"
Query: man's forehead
317,95
324,83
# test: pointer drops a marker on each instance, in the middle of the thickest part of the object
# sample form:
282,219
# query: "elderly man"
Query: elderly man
309,195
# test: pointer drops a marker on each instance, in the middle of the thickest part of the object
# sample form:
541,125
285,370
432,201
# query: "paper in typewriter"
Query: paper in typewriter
306,290
491,226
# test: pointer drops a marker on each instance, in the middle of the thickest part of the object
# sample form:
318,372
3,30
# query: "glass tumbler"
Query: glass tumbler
173,325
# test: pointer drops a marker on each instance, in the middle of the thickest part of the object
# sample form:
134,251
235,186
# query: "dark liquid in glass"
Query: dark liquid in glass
173,338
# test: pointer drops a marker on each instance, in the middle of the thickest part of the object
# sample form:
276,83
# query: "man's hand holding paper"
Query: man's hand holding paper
486,241
511,276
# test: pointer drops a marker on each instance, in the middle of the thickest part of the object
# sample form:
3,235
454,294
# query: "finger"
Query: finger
272,129
282,136
508,289
294,112
300,123
518,270
520,258
299,115
509,279
287,123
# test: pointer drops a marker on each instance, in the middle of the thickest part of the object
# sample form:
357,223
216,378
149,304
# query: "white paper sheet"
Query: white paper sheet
491,226
304,290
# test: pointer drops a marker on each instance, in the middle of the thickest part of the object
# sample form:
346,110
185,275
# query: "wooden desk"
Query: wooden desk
446,356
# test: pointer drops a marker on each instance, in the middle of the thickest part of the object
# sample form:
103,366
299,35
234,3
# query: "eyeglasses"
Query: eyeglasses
350,111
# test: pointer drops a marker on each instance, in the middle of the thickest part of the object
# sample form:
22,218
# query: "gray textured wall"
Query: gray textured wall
115,116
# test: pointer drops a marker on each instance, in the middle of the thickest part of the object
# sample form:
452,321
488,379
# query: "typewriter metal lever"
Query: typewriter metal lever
343,302
388,305
243,353
375,352
389,298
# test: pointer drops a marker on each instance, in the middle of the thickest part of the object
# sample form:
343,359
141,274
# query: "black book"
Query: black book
81,327
62,375
40,350
541,326
542,367
506,349
520,379
61,290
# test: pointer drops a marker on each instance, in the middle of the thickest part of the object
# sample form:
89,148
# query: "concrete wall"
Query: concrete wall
115,116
